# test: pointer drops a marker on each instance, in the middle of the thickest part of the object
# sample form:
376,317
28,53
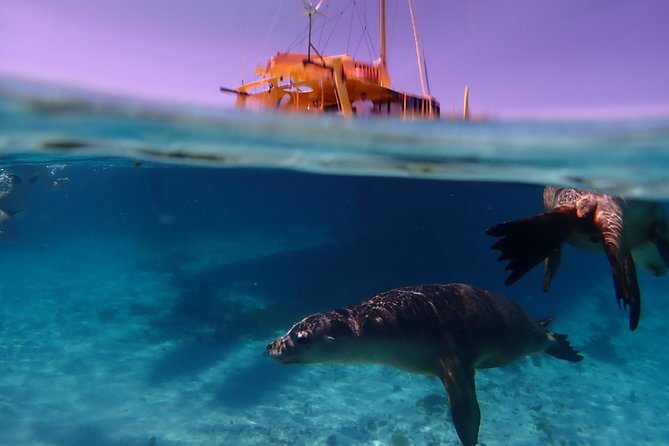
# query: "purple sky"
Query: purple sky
517,56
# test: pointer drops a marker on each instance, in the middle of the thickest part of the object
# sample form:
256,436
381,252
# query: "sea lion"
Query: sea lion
446,331
17,185
625,229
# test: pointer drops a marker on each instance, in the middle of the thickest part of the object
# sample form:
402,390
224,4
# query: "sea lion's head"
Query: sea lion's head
321,337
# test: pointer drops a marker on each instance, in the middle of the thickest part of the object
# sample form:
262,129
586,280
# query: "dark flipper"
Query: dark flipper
551,265
559,346
663,249
609,224
459,382
625,281
526,242
660,238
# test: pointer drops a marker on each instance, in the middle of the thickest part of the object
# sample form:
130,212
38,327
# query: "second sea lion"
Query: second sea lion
625,229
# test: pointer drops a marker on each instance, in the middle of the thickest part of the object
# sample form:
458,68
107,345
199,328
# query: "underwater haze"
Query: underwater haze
162,249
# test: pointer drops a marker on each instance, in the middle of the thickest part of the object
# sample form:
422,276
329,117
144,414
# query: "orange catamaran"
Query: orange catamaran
314,83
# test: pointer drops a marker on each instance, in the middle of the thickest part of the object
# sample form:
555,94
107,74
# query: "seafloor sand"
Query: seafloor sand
102,344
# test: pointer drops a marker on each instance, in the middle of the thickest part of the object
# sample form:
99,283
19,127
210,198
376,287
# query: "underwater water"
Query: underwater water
138,294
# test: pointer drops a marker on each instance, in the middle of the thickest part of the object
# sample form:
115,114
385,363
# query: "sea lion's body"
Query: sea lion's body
446,331
642,223
624,229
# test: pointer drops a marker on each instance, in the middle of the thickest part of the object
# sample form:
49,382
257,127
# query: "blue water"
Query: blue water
136,299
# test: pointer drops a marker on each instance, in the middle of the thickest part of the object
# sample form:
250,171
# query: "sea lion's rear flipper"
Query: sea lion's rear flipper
526,242
458,379
559,346
551,265
610,224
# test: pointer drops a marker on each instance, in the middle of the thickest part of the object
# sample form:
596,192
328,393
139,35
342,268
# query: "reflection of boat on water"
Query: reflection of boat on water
314,83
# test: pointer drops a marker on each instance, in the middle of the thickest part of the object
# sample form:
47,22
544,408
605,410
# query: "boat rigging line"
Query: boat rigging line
334,27
415,38
269,31
365,33
427,79
325,19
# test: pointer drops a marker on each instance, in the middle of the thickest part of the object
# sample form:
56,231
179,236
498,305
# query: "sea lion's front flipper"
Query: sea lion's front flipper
526,242
663,248
458,380
649,257
551,265
609,223
660,237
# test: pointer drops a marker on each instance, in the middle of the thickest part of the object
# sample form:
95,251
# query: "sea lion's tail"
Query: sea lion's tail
528,241
559,346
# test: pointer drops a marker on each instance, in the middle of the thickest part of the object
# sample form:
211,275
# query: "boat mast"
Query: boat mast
415,38
382,31
310,44
311,10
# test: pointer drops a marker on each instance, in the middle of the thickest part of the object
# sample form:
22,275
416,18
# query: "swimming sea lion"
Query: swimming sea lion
17,185
623,228
446,331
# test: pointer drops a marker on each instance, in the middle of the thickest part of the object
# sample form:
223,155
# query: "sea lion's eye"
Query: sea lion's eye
302,338
15,179
32,180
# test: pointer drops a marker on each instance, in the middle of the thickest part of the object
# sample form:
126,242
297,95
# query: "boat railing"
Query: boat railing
366,72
